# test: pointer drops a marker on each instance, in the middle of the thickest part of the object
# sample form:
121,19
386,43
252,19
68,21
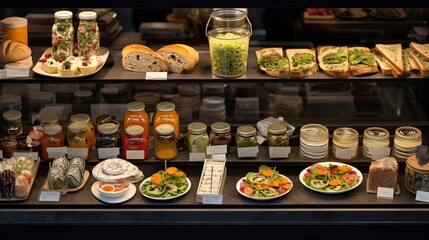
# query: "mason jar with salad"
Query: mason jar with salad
63,35
88,35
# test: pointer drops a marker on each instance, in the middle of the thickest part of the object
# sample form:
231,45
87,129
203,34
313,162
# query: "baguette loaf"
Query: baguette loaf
383,173
302,62
362,61
333,61
179,59
139,58
13,51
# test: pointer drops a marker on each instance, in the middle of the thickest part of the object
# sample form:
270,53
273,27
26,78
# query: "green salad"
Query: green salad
168,183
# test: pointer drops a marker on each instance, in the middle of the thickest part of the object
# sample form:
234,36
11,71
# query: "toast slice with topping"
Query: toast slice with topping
273,62
333,60
362,61
302,62
393,55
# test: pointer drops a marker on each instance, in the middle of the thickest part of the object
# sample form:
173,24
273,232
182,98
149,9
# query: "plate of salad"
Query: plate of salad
165,184
331,177
266,184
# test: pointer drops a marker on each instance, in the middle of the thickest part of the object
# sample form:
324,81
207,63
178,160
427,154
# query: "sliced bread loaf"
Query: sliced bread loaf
140,58
179,58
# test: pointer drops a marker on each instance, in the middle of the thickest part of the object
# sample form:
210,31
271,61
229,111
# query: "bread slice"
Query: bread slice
194,53
179,59
422,49
406,62
273,62
13,51
417,53
361,61
413,64
382,64
140,58
393,55
333,61
302,62
51,66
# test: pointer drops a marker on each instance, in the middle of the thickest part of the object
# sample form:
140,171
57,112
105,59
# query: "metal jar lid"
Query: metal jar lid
220,127
135,106
165,129
77,127
12,115
80,117
197,127
48,119
165,106
14,22
277,128
87,15
345,134
52,129
246,131
108,128
408,133
376,133
315,132
63,15
134,130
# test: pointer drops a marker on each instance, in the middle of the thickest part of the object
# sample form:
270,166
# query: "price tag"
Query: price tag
422,196
77,152
54,152
134,154
104,153
212,199
217,149
345,153
244,152
17,72
383,192
197,157
3,73
379,152
20,153
156,76
279,152
49,196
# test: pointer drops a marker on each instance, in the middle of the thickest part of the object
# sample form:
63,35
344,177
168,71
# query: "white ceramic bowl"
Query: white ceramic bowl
109,189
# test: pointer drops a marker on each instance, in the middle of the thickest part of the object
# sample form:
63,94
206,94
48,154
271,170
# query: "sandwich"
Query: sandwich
406,63
420,54
333,61
272,62
180,57
392,53
14,54
302,62
382,63
413,64
361,61
139,58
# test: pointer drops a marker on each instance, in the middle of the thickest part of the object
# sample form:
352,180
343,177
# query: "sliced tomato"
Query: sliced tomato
350,179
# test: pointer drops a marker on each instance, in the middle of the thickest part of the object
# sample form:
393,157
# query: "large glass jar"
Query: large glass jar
63,34
246,142
228,31
85,118
166,114
107,136
406,142
220,134
12,124
16,28
345,143
197,136
374,139
52,137
88,34
165,142
314,142
136,115
77,136
135,145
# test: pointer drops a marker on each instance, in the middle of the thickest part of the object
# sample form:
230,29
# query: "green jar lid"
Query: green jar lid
220,127
197,127
246,131
165,106
165,129
108,128
77,127
12,115
52,129
277,128
80,117
134,130
135,106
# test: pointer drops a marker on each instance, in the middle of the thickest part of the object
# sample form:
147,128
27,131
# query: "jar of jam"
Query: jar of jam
63,35
375,138
277,135
86,119
166,114
314,142
52,137
406,142
16,28
9,144
107,136
197,136
245,140
136,115
77,136
165,142
88,34
135,145
345,142
12,124
220,134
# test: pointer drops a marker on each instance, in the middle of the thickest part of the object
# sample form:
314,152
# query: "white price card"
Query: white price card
17,72
77,152
49,196
279,152
244,152
197,157
54,152
212,199
379,152
104,153
156,76
27,154
134,154
3,73
383,192
345,153
422,196
216,149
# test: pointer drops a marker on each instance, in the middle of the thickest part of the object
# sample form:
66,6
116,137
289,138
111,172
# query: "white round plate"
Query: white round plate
301,177
237,186
168,198
104,54
127,196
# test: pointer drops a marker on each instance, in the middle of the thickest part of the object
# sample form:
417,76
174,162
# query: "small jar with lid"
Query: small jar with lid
77,136
46,119
246,142
417,172
85,118
165,142
220,134
16,28
406,142
135,145
277,135
52,137
88,34
314,142
63,34
12,124
136,115
107,136
9,144
375,139
197,136
166,114
345,142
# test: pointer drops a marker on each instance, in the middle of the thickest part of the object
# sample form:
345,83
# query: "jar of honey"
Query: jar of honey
77,136
85,118
166,114
136,115
52,137
16,28
165,142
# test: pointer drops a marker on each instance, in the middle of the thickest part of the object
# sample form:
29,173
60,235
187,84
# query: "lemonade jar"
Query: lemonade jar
228,31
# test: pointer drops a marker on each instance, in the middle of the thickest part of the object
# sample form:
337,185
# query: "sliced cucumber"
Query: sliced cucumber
319,183
333,188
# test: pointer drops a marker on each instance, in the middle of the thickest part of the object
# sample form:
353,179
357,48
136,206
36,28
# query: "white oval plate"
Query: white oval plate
301,177
168,198
127,196
237,186
104,54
